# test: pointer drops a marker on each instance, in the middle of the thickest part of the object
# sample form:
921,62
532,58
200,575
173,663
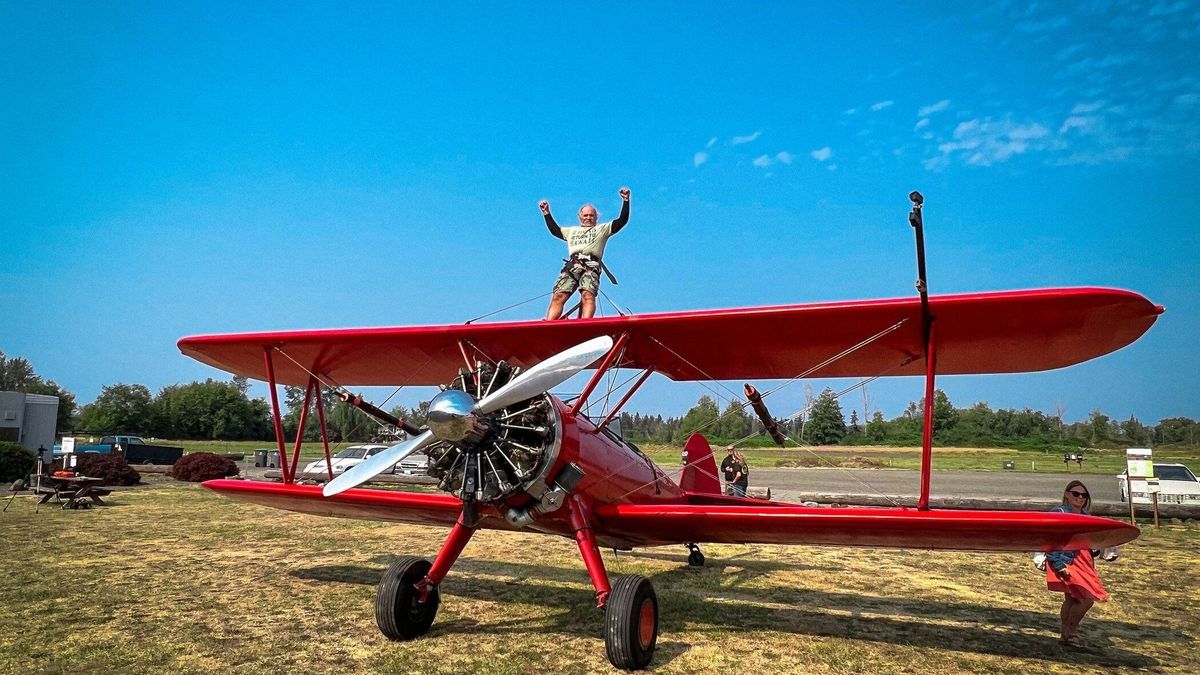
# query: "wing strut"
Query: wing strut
918,223
600,370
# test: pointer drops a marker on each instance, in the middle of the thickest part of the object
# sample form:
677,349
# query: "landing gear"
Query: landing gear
631,623
695,557
399,611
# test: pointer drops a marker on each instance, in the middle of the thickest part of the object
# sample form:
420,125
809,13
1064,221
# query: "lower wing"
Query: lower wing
774,523
727,520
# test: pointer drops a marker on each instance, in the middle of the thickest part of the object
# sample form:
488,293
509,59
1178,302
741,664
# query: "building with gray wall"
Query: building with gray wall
28,419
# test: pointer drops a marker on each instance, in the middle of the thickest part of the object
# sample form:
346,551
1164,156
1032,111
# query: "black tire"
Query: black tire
398,612
631,623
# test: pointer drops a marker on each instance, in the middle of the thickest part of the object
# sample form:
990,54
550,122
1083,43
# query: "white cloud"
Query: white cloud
921,123
881,105
1089,64
762,161
851,111
699,158
937,163
1085,108
1168,8
986,142
928,110
1084,124
740,140
822,154
785,157
832,167
711,142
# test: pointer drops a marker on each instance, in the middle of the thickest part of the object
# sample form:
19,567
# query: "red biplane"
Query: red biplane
511,456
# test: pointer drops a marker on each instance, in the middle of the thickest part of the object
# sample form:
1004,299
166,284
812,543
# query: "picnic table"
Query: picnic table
79,491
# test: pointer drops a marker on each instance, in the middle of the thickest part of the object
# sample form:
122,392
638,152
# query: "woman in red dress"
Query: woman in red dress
1073,573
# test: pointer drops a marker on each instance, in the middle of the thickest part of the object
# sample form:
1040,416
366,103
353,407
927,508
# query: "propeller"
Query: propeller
376,464
546,375
454,415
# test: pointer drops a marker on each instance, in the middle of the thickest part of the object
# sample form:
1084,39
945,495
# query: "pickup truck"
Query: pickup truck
133,448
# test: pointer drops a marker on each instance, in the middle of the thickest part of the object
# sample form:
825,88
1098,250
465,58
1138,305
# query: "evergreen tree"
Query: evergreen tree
734,424
877,428
700,417
1098,425
826,426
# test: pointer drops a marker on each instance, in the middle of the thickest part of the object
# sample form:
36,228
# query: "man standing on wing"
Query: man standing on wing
585,248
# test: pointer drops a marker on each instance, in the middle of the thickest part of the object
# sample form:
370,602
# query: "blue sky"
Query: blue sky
168,170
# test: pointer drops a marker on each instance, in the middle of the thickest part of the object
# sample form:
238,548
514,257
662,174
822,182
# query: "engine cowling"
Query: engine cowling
495,456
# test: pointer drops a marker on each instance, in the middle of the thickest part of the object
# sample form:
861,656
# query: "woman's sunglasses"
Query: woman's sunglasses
1081,495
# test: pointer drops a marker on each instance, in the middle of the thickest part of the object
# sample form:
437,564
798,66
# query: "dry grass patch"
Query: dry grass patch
174,578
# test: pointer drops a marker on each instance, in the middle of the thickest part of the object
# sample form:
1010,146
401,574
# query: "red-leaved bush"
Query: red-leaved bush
202,466
113,469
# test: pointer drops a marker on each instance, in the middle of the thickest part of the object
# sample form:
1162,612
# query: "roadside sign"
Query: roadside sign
68,444
1140,482
1139,462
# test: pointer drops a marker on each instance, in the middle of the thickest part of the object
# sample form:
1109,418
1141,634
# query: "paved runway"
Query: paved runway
902,483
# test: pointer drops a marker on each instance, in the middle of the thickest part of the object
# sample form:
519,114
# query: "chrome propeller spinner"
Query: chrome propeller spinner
453,417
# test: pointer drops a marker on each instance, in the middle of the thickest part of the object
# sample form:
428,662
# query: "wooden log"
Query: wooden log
151,468
385,478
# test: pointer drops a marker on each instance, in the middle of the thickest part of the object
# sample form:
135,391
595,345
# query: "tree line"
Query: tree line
824,422
222,410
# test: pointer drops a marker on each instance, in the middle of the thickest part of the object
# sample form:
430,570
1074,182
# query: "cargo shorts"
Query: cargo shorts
589,280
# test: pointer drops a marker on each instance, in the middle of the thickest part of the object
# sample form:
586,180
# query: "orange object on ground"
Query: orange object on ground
1083,582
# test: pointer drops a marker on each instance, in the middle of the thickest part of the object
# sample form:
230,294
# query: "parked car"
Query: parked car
346,458
416,464
1177,485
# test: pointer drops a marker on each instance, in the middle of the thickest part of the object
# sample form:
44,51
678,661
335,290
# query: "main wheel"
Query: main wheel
631,623
398,610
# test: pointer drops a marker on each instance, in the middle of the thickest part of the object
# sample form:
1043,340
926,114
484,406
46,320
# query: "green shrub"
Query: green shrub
202,466
15,461
113,469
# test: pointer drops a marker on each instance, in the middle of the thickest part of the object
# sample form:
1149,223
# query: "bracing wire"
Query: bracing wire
505,309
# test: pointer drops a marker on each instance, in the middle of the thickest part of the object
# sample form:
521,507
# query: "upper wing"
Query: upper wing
773,523
1003,332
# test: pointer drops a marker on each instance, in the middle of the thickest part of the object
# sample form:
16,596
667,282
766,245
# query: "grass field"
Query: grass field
173,578
1110,462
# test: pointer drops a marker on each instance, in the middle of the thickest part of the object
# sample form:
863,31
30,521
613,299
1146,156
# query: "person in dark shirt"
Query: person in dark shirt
736,472
585,251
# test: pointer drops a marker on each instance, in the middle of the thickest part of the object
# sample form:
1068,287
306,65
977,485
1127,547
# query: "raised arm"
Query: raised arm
624,217
550,223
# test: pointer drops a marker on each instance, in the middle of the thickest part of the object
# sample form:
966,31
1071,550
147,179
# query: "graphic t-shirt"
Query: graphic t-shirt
589,240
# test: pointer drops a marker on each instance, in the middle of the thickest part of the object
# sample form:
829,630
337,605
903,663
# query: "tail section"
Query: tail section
699,467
